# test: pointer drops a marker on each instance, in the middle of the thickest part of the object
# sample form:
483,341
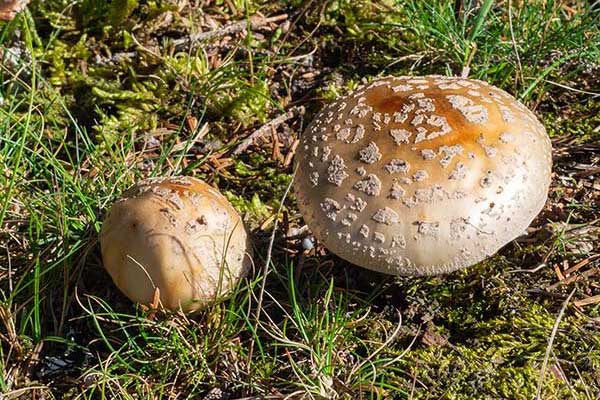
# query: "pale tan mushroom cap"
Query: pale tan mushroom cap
178,234
421,176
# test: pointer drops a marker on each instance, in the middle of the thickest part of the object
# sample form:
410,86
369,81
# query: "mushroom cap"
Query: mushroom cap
422,175
179,235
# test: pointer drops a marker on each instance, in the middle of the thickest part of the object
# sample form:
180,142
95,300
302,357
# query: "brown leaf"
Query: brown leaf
431,338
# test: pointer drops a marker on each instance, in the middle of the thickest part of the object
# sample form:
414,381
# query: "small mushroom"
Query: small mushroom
177,235
422,175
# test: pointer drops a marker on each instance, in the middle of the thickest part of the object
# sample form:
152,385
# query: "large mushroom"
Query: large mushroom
422,175
177,235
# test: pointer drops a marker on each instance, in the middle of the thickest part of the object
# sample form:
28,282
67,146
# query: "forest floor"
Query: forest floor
96,95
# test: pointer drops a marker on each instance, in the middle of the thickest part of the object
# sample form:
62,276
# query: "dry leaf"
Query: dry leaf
10,8
431,338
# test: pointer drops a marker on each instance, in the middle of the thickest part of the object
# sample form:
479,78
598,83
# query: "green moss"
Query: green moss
578,120
120,10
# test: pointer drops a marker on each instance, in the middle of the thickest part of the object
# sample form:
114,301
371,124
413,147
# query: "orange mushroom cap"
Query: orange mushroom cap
422,175
179,235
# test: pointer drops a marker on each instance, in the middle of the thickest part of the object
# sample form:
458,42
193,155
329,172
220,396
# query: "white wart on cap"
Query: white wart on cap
179,235
422,175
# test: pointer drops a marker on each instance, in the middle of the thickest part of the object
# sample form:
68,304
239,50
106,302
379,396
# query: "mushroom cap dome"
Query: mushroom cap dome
422,175
179,235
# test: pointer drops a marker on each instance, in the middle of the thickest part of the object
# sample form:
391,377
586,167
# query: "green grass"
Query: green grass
94,96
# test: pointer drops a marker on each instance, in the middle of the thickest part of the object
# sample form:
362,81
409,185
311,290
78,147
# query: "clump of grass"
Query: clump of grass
524,49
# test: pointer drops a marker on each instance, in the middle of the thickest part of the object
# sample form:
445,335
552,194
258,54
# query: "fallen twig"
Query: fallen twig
550,342
254,22
543,292
529,271
291,113
514,43
581,264
589,172
574,278
185,146
290,155
558,272
588,301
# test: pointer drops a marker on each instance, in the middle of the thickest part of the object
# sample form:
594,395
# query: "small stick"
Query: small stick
467,67
280,119
588,301
557,271
514,43
589,172
550,342
574,278
581,264
185,146
290,155
255,21
414,380
529,271
276,153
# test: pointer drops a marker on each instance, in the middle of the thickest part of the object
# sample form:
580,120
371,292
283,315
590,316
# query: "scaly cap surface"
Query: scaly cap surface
422,175
178,234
